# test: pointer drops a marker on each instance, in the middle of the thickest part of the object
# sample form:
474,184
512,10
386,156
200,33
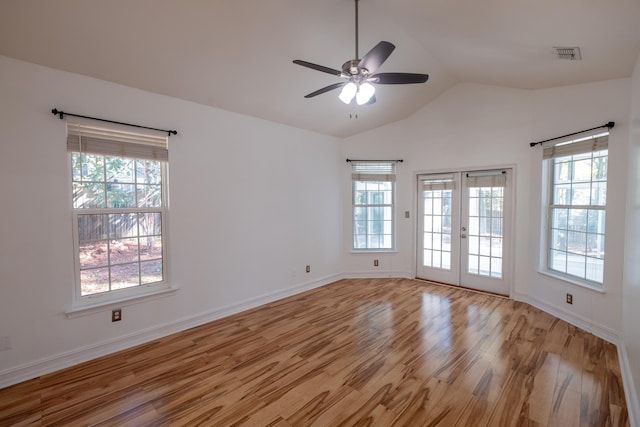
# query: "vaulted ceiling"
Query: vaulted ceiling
236,55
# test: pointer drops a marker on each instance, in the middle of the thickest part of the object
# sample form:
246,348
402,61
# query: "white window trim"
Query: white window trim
393,220
80,301
88,304
371,178
547,195
100,306
572,280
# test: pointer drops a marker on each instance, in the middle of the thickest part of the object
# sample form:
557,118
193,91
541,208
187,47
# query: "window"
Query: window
576,208
119,207
373,205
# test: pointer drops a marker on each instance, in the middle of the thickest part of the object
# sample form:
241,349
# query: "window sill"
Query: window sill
88,309
571,281
373,251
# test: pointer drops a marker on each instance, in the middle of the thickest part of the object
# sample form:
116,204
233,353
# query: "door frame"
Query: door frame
509,243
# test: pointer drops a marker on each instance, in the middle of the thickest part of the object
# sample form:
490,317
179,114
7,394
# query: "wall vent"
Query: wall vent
570,53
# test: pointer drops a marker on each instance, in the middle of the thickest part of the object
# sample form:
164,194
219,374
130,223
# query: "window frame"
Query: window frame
549,174
369,178
87,303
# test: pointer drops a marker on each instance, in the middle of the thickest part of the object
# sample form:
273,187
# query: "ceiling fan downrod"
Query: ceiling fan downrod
351,68
357,58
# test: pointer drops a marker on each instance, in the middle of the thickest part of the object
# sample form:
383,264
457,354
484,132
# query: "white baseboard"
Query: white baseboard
64,360
581,322
633,402
377,275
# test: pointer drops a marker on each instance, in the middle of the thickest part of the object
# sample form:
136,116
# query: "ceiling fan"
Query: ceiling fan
359,74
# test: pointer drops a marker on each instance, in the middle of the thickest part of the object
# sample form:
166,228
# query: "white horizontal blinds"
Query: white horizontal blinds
438,182
373,171
579,146
110,142
497,178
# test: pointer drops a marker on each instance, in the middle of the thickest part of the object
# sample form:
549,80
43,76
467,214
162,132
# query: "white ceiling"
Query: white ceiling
237,55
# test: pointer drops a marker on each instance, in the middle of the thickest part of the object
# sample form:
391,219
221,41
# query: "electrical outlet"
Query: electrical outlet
569,299
375,262
116,315
308,269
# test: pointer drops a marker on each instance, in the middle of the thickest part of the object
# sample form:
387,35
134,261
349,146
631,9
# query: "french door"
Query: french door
463,224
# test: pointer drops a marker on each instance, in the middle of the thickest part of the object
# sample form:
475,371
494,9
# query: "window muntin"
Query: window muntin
119,214
577,211
373,206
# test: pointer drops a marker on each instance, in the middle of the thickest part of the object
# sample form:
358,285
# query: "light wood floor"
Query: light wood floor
361,352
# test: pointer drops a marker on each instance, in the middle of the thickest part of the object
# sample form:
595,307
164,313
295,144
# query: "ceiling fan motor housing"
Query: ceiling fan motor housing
350,68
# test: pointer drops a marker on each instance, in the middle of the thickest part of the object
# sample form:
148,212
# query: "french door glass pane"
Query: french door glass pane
484,237
437,229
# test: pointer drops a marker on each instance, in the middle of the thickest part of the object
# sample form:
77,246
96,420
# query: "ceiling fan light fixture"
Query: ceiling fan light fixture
348,92
365,92
360,72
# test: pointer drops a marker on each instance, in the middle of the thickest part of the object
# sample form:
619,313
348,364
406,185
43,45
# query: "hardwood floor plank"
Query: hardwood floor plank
21,404
358,352
541,398
477,412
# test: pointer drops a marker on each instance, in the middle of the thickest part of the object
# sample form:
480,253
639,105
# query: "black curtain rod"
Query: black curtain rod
608,125
375,161
57,112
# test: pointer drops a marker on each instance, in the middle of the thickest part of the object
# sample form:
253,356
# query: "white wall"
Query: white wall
251,204
558,111
631,292
476,126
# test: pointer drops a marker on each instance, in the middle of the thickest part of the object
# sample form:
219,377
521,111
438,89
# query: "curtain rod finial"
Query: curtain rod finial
58,113
611,124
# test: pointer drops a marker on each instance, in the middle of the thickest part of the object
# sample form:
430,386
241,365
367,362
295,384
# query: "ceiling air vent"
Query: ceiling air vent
570,53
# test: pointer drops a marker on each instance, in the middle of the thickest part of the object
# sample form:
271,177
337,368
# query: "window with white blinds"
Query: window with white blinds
373,205
496,178
576,208
119,205
593,143
439,183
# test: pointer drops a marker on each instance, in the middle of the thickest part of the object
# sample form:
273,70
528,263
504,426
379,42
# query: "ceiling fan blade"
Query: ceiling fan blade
318,67
398,78
325,89
376,56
